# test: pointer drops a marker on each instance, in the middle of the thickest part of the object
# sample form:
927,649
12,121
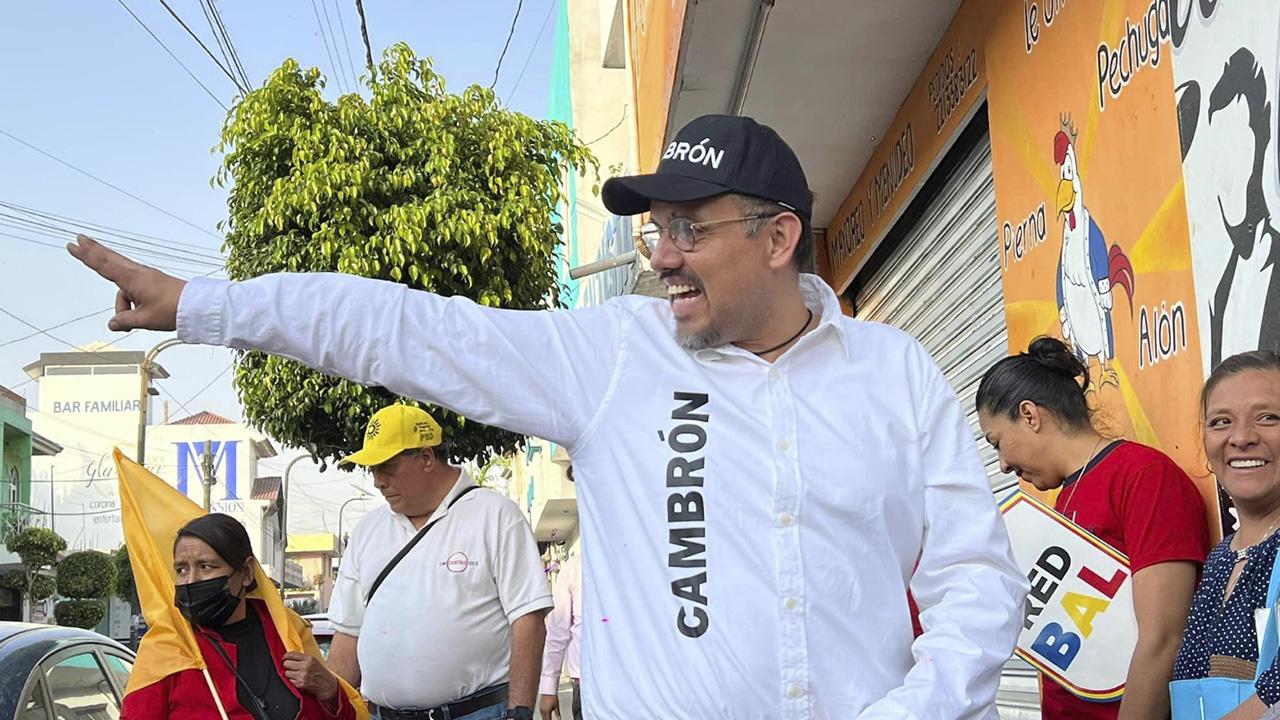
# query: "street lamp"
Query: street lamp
144,371
364,495
284,517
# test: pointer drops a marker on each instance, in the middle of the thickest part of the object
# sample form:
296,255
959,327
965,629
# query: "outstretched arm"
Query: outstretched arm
533,372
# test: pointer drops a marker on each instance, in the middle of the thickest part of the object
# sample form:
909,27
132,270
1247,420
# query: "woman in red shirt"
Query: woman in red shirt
255,678
1033,409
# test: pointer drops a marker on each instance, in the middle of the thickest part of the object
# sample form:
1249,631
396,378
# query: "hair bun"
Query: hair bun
1054,354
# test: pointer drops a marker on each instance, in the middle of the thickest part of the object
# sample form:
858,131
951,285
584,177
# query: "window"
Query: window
119,668
33,704
15,479
80,690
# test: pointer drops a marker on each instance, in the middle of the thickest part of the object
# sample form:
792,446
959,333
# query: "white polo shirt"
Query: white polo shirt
439,627
753,527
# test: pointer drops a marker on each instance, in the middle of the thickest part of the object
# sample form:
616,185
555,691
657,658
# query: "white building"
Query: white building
89,404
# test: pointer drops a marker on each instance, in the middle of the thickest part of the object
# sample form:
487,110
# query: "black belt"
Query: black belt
452,711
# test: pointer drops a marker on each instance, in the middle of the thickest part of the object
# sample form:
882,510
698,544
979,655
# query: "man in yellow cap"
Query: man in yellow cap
441,594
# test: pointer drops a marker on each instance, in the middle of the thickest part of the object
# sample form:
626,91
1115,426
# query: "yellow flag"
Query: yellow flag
152,512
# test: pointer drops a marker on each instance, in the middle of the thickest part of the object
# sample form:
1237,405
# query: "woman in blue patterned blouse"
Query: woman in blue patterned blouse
1240,405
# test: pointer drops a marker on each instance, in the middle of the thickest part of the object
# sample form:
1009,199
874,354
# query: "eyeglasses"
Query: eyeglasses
685,233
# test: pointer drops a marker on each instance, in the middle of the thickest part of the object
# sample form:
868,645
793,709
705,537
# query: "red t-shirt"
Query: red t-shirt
1138,501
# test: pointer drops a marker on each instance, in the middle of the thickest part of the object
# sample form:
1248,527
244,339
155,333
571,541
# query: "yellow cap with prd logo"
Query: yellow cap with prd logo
391,431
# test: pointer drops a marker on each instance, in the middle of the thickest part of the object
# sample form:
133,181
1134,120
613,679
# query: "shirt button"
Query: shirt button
791,603
786,520
783,445
777,374
795,691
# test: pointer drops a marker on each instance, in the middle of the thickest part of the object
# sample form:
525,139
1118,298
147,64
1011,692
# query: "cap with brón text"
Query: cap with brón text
391,431
714,155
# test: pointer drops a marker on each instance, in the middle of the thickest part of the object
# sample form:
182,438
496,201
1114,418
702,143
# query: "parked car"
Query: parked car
60,673
322,629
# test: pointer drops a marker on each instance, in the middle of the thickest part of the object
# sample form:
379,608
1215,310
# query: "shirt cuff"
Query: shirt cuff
550,685
200,311
542,603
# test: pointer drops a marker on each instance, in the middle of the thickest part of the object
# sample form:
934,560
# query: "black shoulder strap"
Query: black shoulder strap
259,709
410,545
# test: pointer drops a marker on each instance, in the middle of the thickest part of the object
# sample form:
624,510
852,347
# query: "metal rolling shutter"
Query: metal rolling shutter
942,285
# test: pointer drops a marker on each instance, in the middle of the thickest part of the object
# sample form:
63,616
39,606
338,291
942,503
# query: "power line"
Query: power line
213,28
200,42
82,223
35,220
610,132
338,78
533,49
55,327
178,272
364,33
97,179
324,5
346,44
235,54
175,57
38,228
510,34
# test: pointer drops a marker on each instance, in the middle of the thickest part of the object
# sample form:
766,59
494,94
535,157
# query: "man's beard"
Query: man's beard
694,342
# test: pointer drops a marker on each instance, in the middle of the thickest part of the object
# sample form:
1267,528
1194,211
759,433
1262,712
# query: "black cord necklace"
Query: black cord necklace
791,339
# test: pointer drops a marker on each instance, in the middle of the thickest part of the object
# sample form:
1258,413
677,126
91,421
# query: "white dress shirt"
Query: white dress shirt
439,628
753,527
563,649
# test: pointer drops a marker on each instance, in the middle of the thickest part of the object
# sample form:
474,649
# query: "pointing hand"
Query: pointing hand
146,299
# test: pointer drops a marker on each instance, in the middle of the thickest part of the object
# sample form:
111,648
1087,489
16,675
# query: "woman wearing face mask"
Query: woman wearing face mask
1218,673
256,679
1033,409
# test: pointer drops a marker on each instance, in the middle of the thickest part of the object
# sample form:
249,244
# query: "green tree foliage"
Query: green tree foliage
80,613
304,606
38,550
442,192
126,590
87,575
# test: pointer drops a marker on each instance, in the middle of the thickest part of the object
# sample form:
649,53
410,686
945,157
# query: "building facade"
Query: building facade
315,554
89,402
988,171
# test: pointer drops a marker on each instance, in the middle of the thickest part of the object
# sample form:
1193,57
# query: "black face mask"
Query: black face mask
208,602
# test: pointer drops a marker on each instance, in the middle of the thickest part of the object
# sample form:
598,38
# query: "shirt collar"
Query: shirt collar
464,482
818,297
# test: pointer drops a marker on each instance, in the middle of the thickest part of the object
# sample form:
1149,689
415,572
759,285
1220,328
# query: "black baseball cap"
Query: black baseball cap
714,155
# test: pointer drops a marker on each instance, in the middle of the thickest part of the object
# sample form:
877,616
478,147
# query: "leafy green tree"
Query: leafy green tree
126,590
80,613
442,192
38,550
86,578
304,606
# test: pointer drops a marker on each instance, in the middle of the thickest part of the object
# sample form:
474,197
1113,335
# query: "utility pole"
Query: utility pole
206,469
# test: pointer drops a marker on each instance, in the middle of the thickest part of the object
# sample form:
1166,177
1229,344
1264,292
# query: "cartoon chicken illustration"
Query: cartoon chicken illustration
1087,269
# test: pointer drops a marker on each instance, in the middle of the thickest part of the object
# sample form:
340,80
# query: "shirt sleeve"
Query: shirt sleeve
559,629
346,603
1163,517
533,372
517,570
968,588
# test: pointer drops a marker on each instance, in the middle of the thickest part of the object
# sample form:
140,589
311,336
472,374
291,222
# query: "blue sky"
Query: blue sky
84,82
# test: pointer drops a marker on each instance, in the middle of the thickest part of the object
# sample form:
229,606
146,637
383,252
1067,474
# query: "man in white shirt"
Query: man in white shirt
758,474
564,638
441,593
